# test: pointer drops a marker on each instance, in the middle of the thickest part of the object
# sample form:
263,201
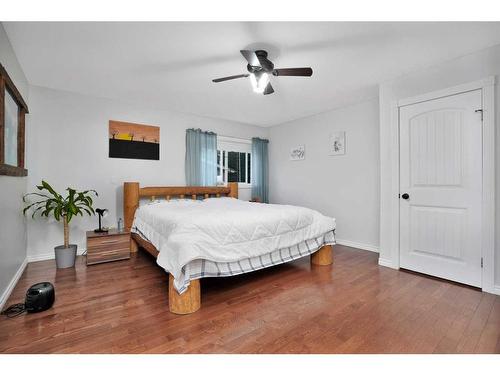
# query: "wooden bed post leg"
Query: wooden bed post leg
323,257
134,247
233,189
130,202
187,302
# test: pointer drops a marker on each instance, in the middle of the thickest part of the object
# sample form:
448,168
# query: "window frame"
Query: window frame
229,144
7,85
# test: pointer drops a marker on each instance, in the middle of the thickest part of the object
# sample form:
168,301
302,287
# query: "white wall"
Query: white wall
12,222
68,143
345,187
466,69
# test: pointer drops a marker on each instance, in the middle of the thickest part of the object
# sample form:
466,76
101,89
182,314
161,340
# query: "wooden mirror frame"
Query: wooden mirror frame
6,84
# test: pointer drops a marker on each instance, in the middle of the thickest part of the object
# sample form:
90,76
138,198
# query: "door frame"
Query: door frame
487,87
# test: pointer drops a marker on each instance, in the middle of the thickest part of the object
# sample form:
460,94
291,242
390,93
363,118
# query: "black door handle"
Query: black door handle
405,196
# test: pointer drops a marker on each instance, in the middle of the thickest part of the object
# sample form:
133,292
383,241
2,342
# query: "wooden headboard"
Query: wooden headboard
132,193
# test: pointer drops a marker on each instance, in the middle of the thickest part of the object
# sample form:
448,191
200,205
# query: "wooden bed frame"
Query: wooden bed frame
190,300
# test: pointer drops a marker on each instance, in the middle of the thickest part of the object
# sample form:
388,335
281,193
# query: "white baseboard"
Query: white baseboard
6,294
51,255
495,290
357,245
386,263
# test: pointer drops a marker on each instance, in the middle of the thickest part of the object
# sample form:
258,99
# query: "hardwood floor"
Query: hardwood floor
354,306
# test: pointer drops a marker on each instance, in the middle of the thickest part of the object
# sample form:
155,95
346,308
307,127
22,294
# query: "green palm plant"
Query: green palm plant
62,208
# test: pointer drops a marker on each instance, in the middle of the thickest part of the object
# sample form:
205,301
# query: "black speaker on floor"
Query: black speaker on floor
40,297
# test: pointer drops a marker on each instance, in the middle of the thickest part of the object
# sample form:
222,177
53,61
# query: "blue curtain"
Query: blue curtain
260,170
201,158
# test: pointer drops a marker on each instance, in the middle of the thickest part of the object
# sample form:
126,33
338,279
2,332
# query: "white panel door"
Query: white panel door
441,187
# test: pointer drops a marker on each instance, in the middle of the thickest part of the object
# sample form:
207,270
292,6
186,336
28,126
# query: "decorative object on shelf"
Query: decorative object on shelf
133,141
120,225
337,143
101,212
298,152
49,202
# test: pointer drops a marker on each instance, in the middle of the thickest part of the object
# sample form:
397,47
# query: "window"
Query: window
12,115
234,159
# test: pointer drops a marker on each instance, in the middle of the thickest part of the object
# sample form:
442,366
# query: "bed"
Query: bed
197,232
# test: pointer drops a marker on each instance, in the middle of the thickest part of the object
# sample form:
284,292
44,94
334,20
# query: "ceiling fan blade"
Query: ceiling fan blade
297,72
269,89
230,77
251,57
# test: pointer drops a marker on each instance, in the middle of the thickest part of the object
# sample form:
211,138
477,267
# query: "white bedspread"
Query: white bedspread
224,229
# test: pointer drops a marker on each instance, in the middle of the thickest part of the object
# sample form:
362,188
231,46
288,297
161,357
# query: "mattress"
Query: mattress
218,237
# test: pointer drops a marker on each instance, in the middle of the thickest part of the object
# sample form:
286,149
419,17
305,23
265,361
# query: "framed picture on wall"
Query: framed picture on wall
133,141
298,152
337,143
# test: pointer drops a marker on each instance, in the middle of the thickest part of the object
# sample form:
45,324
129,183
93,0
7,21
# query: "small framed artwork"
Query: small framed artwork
298,152
133,141
337,143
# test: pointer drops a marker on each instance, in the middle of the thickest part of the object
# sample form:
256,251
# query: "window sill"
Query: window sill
9,170
241,185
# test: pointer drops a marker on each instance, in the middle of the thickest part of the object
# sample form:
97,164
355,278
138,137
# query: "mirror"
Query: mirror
11,127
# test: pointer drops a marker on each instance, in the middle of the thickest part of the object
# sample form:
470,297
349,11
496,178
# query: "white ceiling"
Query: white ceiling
170,65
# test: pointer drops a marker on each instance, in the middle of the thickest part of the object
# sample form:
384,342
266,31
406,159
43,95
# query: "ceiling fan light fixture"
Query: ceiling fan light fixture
260,68
259,82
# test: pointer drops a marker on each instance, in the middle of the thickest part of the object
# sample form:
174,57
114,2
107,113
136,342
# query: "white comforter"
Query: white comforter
224,229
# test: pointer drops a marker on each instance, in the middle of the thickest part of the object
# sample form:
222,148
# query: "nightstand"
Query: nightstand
107,247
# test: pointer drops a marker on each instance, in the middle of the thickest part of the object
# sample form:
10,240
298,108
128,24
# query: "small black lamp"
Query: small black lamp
101,212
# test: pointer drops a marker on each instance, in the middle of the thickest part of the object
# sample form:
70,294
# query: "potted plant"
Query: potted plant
63,209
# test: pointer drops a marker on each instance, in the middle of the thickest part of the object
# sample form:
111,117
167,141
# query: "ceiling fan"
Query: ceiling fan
260,68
